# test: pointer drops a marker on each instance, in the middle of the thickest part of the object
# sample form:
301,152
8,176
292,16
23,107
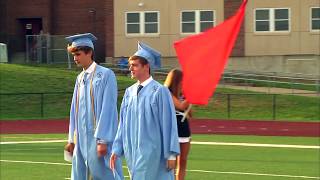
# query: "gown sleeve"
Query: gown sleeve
107,120
168,124
117,147
72,120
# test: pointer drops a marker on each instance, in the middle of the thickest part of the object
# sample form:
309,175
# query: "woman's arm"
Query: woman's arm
180,105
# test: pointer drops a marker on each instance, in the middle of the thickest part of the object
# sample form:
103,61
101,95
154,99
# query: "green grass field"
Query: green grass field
54,104
206,162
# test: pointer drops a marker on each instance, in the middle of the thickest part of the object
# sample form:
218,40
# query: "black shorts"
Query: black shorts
183,127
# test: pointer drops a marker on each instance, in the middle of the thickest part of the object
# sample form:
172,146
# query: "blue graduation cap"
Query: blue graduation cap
150,54
82,40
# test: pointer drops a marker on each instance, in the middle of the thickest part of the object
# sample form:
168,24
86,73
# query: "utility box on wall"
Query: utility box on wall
3,53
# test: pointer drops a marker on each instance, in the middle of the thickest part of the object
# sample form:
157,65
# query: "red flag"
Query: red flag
203,57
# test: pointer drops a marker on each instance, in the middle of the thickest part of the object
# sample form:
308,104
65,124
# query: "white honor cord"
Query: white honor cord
186,113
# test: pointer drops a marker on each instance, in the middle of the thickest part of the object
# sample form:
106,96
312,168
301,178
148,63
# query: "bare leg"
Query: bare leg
182,161
177,170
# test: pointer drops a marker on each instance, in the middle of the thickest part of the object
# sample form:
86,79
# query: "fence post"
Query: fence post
270,83
27,48
292,84
274,106
69,61
229,105
318,85
42,96
319,104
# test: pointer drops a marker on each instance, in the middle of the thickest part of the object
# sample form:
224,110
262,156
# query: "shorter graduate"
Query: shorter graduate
147,134
93,115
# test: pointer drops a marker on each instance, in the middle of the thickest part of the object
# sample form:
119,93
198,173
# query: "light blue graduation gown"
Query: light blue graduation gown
147,133
105,106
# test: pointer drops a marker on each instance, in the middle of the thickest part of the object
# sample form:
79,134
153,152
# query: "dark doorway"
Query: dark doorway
29,26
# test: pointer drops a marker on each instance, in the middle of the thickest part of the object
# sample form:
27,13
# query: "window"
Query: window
188,22
142,23
315,19
151,23
133,23
206,20
272,20
281,19
196,21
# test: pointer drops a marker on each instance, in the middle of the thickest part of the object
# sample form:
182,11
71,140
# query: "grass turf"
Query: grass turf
31,79
217,159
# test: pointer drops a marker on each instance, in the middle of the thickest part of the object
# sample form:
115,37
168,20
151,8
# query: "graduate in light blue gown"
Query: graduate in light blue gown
93,115
147,134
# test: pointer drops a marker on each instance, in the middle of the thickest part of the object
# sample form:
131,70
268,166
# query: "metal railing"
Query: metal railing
247,79
271,79
266,106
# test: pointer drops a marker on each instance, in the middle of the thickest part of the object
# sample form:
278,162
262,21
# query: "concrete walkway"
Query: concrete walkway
274,90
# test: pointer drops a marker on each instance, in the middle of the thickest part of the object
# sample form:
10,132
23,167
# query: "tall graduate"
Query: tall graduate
147,134
93,115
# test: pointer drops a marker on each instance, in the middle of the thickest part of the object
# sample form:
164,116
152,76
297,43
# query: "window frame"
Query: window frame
142,23
272,20
126,22
311,19
197,20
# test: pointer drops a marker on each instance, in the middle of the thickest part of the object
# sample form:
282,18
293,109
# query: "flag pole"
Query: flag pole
186,113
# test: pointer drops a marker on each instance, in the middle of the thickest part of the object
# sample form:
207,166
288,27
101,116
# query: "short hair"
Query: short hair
85,49
142,60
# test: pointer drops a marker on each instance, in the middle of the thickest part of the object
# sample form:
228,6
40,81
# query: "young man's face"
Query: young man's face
138,70
81,58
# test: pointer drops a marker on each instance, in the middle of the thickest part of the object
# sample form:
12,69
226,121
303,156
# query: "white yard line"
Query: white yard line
24,137
32,149
255,174
33,142
256,145
198,171
193,142
35,162
123,176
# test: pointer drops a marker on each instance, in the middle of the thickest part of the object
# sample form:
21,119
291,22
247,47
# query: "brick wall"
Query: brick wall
3,22
19,9
3,15
61,17
85,16
15,11
230,7
109,28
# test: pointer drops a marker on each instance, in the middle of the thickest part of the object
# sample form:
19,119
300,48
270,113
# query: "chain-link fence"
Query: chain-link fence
256,106
261,106
46,49
35,105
